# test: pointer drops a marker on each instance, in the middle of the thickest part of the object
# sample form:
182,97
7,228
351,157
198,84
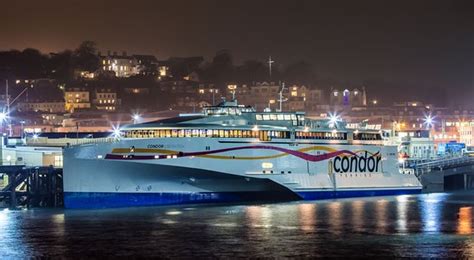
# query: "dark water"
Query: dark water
429,225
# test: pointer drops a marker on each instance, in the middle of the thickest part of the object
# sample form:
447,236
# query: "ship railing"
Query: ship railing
69,141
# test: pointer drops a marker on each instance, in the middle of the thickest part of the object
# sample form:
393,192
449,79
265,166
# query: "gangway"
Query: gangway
442,174
442,164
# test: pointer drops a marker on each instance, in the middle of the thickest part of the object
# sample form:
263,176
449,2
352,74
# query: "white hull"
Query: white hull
182,170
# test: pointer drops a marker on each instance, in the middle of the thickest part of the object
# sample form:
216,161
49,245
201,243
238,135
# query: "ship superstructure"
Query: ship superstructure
231,152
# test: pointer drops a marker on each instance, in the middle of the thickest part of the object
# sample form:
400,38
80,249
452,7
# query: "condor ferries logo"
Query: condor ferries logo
365,162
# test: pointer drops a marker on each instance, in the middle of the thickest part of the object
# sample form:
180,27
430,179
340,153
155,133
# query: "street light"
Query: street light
232,89
3,116
429,121
270,102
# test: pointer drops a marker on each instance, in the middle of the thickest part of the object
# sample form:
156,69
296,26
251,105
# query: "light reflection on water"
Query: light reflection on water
430,225
381,215
465,221
431,208
358,215
402,204
307,217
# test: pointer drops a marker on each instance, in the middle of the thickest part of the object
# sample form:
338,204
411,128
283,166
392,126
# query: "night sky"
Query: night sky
391,46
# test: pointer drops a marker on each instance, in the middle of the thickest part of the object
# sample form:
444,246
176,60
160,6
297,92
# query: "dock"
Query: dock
31,186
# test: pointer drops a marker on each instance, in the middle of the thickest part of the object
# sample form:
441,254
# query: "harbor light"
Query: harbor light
3,116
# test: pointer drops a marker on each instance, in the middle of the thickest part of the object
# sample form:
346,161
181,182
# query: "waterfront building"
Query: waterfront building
315,100
147,65
415,145
53,106
77,98
466,133
52,119
106,99
348,98
31,155
122,66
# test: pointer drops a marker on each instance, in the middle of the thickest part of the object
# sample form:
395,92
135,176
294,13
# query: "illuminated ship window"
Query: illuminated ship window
265,135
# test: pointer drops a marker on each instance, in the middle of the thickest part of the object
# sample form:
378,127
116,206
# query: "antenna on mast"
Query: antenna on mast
7,97
281,99
270,62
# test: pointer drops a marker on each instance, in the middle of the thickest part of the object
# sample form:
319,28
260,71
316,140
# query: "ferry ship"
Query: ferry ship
231,153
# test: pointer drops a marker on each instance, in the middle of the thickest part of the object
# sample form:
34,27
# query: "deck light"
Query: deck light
333,119
136,118
116,132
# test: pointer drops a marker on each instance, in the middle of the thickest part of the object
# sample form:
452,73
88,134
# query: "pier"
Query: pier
31,186
446,174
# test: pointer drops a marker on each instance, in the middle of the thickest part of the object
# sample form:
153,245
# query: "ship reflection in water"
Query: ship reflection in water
429,225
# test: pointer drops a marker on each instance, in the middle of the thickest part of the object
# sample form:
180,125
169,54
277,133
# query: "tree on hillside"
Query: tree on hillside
252,71
299,73
29,63
181,67
221,70
60,66
85,57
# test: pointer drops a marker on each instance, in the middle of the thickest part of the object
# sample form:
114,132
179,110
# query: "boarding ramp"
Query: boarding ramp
452,173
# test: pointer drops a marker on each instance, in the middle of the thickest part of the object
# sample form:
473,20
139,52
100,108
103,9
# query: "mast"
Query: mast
270,62
8,109
281,99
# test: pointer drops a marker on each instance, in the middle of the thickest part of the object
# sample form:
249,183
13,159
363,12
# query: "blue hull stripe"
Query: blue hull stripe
317,195
84,200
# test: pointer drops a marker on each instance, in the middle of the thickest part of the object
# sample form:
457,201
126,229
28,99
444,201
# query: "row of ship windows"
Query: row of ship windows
367,136
321,135
280,117
261,134
337,136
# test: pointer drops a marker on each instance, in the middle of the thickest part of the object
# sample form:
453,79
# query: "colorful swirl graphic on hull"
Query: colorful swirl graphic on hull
136,153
